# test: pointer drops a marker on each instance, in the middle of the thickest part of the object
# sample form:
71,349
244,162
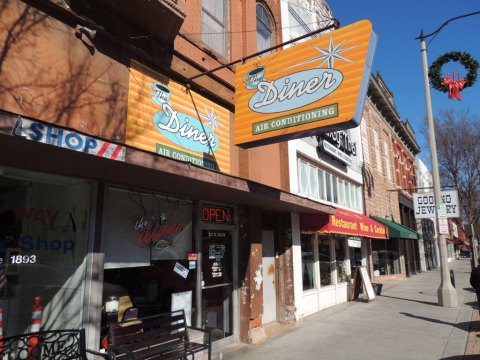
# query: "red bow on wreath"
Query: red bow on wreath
454,86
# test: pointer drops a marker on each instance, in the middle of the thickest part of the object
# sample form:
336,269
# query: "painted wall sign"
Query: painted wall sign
48,134
217,214
316,86
425,208
165,118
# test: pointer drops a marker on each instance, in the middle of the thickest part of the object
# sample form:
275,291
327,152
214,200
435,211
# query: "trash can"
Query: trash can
452,277
377,288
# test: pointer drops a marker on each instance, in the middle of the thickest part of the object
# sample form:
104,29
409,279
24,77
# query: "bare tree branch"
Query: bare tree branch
458,147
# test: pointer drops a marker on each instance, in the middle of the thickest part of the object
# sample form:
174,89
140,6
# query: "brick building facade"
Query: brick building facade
389,174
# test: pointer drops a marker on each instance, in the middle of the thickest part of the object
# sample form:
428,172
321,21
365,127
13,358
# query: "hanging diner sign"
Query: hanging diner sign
314,87
166,118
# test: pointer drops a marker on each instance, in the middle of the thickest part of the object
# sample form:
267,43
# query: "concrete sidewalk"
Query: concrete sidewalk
405,322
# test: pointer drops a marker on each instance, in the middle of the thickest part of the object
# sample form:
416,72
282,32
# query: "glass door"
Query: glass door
217,284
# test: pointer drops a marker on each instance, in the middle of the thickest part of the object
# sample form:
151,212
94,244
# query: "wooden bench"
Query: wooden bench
47,345
163,336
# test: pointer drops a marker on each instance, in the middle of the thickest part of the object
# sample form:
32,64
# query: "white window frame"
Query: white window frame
377,151
386,156
269,28
315,183
364,132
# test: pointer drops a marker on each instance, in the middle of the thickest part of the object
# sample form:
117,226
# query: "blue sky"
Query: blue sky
397,23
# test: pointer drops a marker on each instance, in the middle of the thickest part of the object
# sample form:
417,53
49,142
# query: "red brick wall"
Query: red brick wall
379,201
47,73
266,164
405,178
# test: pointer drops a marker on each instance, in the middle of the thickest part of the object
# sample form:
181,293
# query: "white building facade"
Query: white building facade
325,168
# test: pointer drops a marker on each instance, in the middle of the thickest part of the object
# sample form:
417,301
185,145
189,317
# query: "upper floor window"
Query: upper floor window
264,28
364,132
319,184
377,150
214,25
386,157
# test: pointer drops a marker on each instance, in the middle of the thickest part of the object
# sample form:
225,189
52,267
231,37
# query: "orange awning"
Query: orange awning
343,222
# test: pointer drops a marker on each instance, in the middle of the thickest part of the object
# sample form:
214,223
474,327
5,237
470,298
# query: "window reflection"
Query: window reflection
386,257
340,260
325,261
43,242
308,262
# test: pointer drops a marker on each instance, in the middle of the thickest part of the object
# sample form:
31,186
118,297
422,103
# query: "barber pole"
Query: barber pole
32,344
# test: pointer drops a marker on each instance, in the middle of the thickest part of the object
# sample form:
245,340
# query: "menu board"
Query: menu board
367,283
183,301
361,278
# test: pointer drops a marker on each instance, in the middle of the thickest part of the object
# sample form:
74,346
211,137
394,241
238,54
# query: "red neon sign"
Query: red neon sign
217,214
155,231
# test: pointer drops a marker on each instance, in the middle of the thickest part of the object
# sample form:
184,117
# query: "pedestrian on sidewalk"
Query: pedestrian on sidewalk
475,282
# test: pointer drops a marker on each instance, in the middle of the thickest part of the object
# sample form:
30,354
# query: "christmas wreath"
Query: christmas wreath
435,70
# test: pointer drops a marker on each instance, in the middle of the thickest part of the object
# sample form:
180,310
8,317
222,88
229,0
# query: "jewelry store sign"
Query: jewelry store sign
425,207
314,87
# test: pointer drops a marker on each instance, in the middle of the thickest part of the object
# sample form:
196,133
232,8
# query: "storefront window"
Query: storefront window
308,262
151,264
355,258
340,260
325,261
44,222
146,242
386,257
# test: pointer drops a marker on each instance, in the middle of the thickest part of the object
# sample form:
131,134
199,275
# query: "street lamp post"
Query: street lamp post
447,295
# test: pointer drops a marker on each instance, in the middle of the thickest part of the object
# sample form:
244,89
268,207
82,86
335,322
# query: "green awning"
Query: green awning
398,230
